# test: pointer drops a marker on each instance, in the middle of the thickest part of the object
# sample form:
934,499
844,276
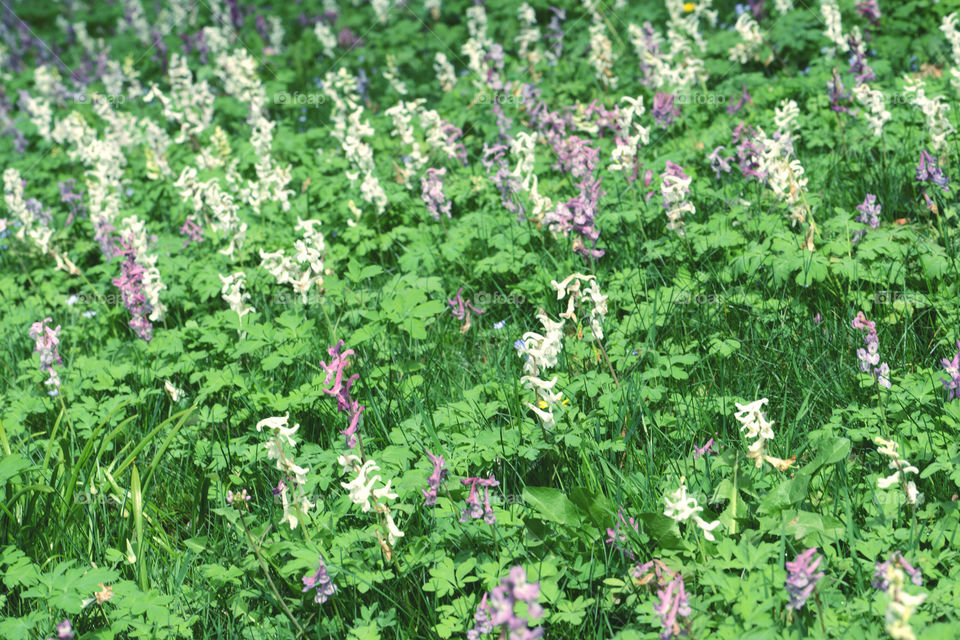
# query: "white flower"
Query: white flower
175,393
682,507
279,425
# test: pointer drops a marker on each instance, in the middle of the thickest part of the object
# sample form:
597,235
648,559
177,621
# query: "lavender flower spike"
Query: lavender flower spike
433,482
673,604
802,578
952,368
322,582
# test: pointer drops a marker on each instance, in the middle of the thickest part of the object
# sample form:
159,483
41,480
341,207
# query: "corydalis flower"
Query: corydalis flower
363,493
341,389
321,581
869,214
674,189
756,425
617,538
901,468
664,110
282,437
673,604
460,309
473,508
880,575
433,482
131,285
706,449
802,578
952,367
682,507
718,163
499,609
901,605
928,170
431,186
870,356
46,341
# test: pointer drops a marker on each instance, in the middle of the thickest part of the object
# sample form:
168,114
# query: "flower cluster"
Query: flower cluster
674,188
460,309
233,294
473,508
934,112
681,507
881,577
130,284
802,578
321,581
540,352
46,341
751,37
949,28
756,425
281,437
672,606
499,609
304,271
433,482
870,357
570,287
432,193
365,496
901,605
952,368
928,170
869,214
901,468
831,18
341,389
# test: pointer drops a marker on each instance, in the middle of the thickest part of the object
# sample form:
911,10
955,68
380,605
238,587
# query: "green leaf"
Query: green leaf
552,505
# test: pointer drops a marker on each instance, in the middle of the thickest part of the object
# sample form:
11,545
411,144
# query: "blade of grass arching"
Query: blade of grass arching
113,434
50,443
146,440
3,439
85,454
137,504
165,445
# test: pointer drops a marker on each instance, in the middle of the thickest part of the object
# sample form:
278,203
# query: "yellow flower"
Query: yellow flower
689,7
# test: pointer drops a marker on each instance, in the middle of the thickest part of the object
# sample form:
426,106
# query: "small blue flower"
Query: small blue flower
500,325
519,344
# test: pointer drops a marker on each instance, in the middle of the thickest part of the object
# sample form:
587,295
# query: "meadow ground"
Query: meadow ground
442,319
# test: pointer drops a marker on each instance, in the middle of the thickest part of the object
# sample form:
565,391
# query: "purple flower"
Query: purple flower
555,35
498,610
673,604
704,450
460,309
473,508
433,482
617,538
347,39
896,559
802,578
869,214
929,171
664,110
869,10
341,390
241,497
952,368
130,284
719,163
431,186
321,581
192,230
65,631
72,199
870,357
46,341
744,98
